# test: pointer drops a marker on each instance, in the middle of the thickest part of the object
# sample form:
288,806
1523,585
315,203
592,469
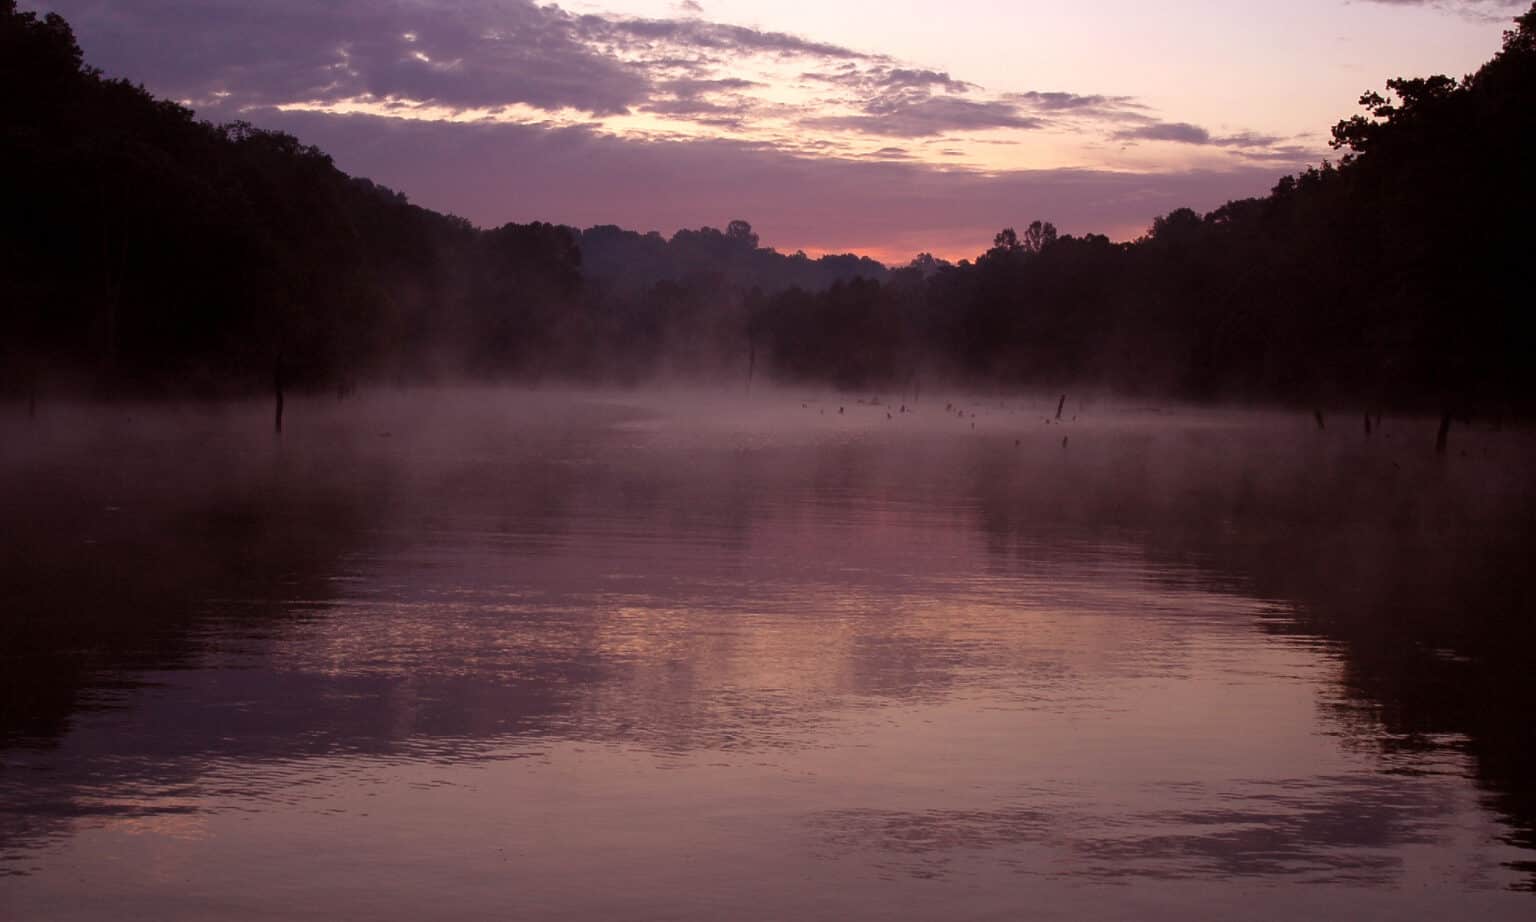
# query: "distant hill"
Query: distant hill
628,261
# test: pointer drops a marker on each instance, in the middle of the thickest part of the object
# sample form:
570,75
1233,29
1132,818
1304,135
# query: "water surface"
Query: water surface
579,656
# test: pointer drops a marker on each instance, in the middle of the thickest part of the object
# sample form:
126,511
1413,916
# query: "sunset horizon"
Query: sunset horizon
831,132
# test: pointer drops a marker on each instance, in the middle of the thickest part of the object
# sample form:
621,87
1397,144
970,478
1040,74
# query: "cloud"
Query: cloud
691,86
493,173
458,55
894,101
901,117
701,34
468,54
1247,139
1454,4
719,103
696,109
1118,107
883,78
1185,133
521,60
1179,132
1480,10
1283,153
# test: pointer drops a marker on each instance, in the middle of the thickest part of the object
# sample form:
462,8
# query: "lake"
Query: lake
507,653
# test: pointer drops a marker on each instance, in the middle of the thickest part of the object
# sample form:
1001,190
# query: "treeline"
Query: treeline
624,261
1401,276
142,250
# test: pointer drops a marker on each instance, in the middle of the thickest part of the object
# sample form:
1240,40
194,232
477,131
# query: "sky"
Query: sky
885,129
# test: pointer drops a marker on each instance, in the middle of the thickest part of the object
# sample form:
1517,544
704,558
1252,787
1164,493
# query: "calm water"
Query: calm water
522,655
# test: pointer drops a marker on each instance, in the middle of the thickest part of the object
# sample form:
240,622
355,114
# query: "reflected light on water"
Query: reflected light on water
589,657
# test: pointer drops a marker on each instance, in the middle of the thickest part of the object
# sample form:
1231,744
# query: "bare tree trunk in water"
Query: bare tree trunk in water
1059,405
751,363
1318,415
1444,433
277,393
1367,424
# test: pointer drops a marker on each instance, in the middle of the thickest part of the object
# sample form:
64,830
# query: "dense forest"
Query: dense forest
148,252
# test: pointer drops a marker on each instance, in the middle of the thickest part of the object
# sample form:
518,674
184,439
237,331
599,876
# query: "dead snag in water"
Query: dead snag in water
1059,404
277,393
1444,432
1318,415
1367,424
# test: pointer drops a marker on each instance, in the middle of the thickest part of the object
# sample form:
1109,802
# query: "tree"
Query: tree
1038,236
1414,97
740,232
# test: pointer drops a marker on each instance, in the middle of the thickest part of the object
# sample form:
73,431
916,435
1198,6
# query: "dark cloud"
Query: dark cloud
901,117
1073,102
693,86
886,78
719,103
1283,153
902,102
1481,10
692,105
466,54
904,77
1185,133
457,54
700,34
1180,132
1455,4
493,173
1247,139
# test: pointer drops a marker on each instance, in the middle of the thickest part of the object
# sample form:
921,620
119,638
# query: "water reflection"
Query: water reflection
1200,650
1345,829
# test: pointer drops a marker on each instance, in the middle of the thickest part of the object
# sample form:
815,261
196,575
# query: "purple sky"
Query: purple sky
830,128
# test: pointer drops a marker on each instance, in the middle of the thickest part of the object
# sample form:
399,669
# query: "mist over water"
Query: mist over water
794,654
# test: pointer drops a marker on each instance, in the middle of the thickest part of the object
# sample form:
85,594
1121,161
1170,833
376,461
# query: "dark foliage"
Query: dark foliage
151,252
623,262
